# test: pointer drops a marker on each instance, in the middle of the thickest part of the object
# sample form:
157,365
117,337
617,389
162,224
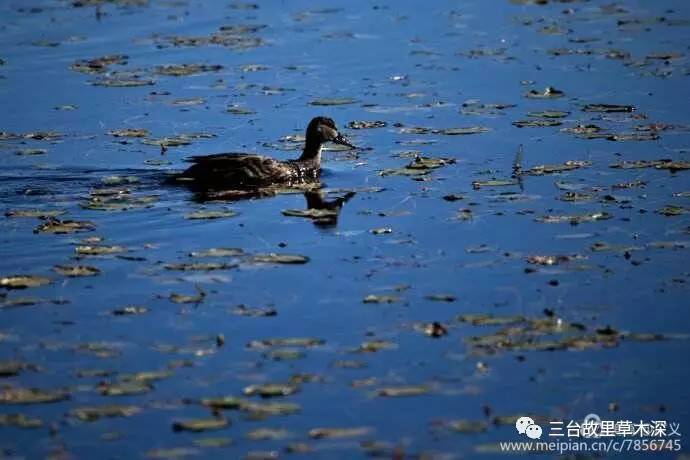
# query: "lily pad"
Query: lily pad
99,250
366,124
93,413
129,132
18,395
548,93
574,219
207,214
35,213
464,131
180,70
273,258
332,101
76,270
374,298
218,252
403,390
608,108
203,424
337,433
61,227
23,281
268,390
20,421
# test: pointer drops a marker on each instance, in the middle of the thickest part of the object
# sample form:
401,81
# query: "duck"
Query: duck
242,171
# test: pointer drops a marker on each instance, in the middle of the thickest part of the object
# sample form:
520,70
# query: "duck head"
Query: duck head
320,131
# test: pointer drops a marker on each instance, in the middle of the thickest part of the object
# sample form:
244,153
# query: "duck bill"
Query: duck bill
342,140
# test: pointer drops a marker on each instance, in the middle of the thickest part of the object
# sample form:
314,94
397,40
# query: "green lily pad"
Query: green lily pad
218,252
337,433
74,271
268,390
181,70
23,281
464,131
366,124
608,108
273,258
548,93
99,250
207,214
35,213
548,114
332,101
286,342
202,424
129,310
539,123
60,227
206,266
127,388
403,390
373,298
267,434
129,132
20,421
20,395
93,413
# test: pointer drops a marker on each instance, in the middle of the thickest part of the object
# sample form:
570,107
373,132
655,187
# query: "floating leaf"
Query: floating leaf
373,298
218,252
124,388
30,152
34,213
93,413
99,250
268,390
541,123
180,70
273,258
366,124
129,132
548,93
65,226
207,214
574,219
129,310
202,424
548,114
607,108
243,310
403,390
464,131
335,433
199,266
333,101
23,281
76,270
266,434
286,342
19,395
20,421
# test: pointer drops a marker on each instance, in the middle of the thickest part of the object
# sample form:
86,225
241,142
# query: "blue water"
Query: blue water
403,63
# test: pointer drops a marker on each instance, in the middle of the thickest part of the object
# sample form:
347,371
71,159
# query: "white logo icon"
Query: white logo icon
533,432
526,426
522,424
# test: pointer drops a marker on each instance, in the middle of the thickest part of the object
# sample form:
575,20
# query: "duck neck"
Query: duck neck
312,152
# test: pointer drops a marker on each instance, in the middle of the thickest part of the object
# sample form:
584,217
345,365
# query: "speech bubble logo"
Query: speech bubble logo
522,424
533,431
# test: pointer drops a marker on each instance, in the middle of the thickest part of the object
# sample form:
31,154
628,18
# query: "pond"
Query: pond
509,238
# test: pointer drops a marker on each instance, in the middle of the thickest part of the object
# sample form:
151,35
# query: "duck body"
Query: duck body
247,171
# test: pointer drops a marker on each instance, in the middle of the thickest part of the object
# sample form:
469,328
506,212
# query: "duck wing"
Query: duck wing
234,170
